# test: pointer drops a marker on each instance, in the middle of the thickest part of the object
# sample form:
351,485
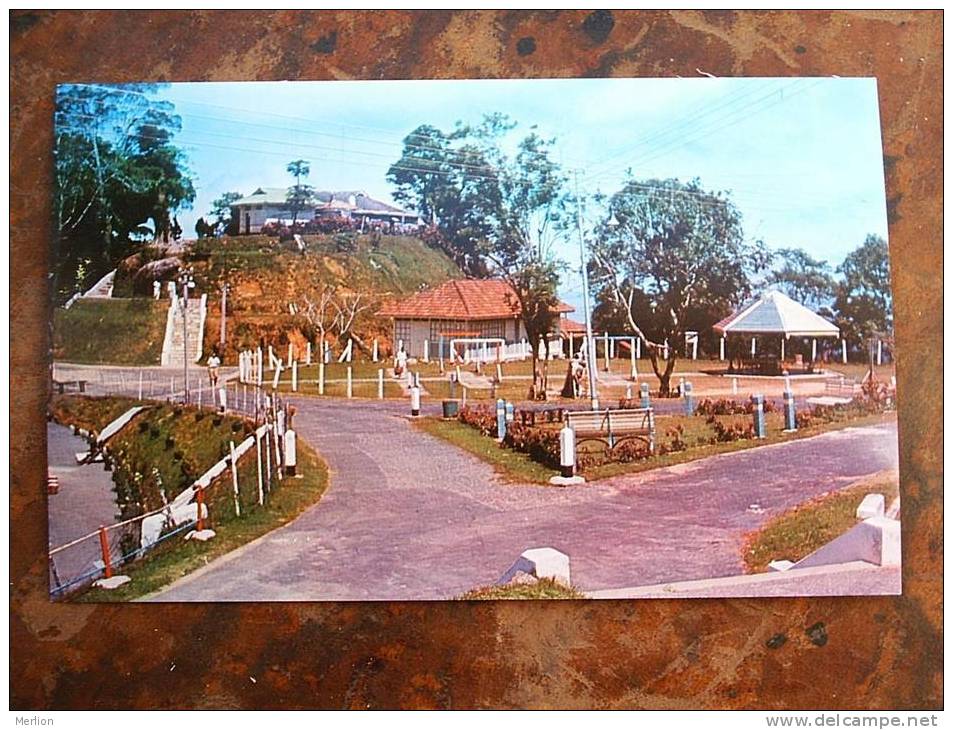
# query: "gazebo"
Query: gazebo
775,314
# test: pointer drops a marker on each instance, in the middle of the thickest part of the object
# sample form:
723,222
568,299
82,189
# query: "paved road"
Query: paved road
408,516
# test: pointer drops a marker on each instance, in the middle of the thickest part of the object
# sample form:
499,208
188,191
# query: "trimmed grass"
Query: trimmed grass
117,331
799,532
544,589
515,466
284,503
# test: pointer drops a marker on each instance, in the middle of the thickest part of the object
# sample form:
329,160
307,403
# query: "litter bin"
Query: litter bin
451,408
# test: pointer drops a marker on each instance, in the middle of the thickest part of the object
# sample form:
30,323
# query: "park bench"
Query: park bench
613,427
837,392
61,385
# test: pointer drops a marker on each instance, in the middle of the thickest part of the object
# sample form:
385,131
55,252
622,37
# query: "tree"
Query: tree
319,315
116,169
221,212
668,248
864,304
299,196
803,278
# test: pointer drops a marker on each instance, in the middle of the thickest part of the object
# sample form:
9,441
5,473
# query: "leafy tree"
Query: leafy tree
864,304
221,212
803,278
116,169
299,195
667,249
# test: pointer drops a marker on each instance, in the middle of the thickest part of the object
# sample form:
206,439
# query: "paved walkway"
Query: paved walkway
408,516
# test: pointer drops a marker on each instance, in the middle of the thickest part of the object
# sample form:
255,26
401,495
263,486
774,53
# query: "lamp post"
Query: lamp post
590,342
187,282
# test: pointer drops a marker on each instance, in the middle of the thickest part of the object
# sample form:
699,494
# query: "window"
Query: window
402,332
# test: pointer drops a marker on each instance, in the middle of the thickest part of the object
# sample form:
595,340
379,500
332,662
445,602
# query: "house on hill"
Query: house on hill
461,309
266,205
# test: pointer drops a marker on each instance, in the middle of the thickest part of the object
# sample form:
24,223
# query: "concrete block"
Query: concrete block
112,583
561,481
876,540
872,505
200,535
779,566
541,562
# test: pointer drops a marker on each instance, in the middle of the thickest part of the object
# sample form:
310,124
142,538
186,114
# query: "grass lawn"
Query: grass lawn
515,466
799,532
544,589
117,331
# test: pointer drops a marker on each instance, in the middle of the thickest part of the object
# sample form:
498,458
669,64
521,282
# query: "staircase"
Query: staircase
175,337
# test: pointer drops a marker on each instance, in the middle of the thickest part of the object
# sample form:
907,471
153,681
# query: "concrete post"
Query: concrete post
307,354
638,348
140,379
261,483
567,452
790,415
499,373
721,348
571,341
760,430
753,347
689,397
350,384
291,452
415,400
294,376
374,353
782,348
222,399
380,384
605,350
510,412
843,347
500,419
426,350
320,378
290,352
880,360
644,392
234,468
274,382
814,350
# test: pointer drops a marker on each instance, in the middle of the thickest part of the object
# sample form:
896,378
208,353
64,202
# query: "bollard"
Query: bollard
199,508
350,383
500,419
222,399
104,547
415,400
294,376
790,414
499,373
567,452
374,354
261,486
291,453
234,468
380,384
320,378
760,431
426,350
453,385
843,348
510,412
689,396
644,391
307,353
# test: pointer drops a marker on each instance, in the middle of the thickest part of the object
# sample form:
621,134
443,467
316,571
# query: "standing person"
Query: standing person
213,364
400,362
156,290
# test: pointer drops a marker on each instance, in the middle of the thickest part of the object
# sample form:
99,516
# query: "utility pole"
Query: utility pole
590,341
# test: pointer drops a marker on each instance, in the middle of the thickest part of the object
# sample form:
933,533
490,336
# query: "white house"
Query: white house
266,205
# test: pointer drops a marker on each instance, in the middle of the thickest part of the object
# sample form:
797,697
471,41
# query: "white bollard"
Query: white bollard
721,348
374,352
843,347
290,353
308,353
753,347
294,376
567,452
380,384
350,386
426,350
222,399
320,378
234,467
274,382
415,400
291,452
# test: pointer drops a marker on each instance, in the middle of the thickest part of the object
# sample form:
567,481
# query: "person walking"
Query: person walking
213,364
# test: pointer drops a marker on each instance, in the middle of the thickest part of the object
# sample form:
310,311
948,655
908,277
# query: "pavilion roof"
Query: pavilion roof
775,313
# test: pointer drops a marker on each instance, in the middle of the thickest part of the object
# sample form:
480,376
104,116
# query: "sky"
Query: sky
801,157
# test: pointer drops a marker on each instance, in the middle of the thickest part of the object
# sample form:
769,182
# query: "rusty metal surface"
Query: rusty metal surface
800,653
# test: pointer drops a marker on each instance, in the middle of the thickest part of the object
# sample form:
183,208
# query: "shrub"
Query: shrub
726,432
481,418
540,444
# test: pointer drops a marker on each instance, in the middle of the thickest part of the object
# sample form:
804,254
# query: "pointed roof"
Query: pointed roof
463,299
775,313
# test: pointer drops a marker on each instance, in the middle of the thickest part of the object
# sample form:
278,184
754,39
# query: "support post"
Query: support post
104,548
721,348
426,350
380,384
140,378
234,467
415,400
261,485
374,352
880,358
294,376
638,348
814,350
633,369
291,453
689,396
350,384
782,348
222,399
307,353
843,347
320,378
605,351
199,508
790,414
753,347
500,419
